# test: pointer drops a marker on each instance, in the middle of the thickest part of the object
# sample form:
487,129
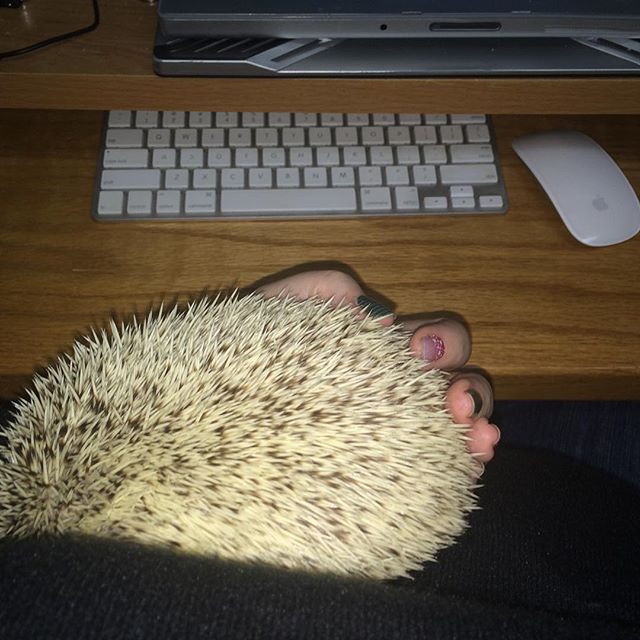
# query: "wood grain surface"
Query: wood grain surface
550,318
112,68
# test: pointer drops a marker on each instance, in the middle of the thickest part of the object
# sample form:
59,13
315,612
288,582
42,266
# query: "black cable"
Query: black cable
55,39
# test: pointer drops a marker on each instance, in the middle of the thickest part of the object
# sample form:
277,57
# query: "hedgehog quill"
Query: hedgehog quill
273,431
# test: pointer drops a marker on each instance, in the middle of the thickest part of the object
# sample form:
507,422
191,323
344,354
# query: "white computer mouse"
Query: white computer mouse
588,189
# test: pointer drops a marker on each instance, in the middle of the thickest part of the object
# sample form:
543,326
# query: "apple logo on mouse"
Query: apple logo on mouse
600,204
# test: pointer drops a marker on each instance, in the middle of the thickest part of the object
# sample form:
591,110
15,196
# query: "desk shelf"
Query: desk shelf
111,68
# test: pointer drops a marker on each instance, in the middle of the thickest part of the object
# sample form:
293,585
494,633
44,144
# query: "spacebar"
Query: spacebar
274,201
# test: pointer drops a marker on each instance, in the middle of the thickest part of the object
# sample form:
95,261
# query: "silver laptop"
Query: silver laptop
397,38
400,18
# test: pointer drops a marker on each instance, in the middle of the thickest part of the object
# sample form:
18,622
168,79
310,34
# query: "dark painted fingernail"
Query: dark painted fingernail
432,348
476,398
373,307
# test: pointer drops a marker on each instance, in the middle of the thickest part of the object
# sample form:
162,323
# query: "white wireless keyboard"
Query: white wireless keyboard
179,165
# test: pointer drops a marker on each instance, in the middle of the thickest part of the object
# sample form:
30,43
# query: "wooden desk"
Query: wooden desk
550,318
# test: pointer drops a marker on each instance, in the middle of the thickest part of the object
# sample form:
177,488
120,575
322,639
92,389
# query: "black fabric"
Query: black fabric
552,553
605,435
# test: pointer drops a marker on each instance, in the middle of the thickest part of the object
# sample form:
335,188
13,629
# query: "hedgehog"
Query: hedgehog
284,432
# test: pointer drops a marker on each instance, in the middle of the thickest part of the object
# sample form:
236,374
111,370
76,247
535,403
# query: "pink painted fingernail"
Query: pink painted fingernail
432,348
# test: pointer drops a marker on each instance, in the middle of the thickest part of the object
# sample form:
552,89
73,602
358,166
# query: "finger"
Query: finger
340,288
445,344
483,438
327,285
469,397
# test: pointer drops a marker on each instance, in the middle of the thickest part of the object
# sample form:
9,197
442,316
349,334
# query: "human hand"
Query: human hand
444,344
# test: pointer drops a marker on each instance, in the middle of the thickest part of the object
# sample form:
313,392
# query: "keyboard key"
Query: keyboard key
124,138
491,202
315,177
425,135
375,199
355,156
451,134
301,157
372,135
331,119
200,119
279,119
146,119
424,175
346,136
260,178
219,158
213,137
409,118
273,157
232,178
461,191
246,157
468,118
370,176
434,154
119,118
176,179
319,136
407,198
226,119
435,118
463,203
342,177
267,137
435,203
126,158
396,176
192,158
305,119
471,153
408,155
381,155
277,201
164,158
139,203
288,177
204,178
173,119
168,202
157,138
399,135
327,156
469,174
200,202
357,119
293,137
110,203
252,119
186,138
477,133
239,137
130,179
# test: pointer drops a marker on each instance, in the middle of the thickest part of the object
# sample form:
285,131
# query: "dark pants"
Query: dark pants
553,553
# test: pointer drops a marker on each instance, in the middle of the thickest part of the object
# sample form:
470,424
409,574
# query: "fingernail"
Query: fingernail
476,401
432,348
498,436
373,307
480,470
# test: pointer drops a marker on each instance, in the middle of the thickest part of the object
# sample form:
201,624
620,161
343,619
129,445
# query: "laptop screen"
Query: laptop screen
401,18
